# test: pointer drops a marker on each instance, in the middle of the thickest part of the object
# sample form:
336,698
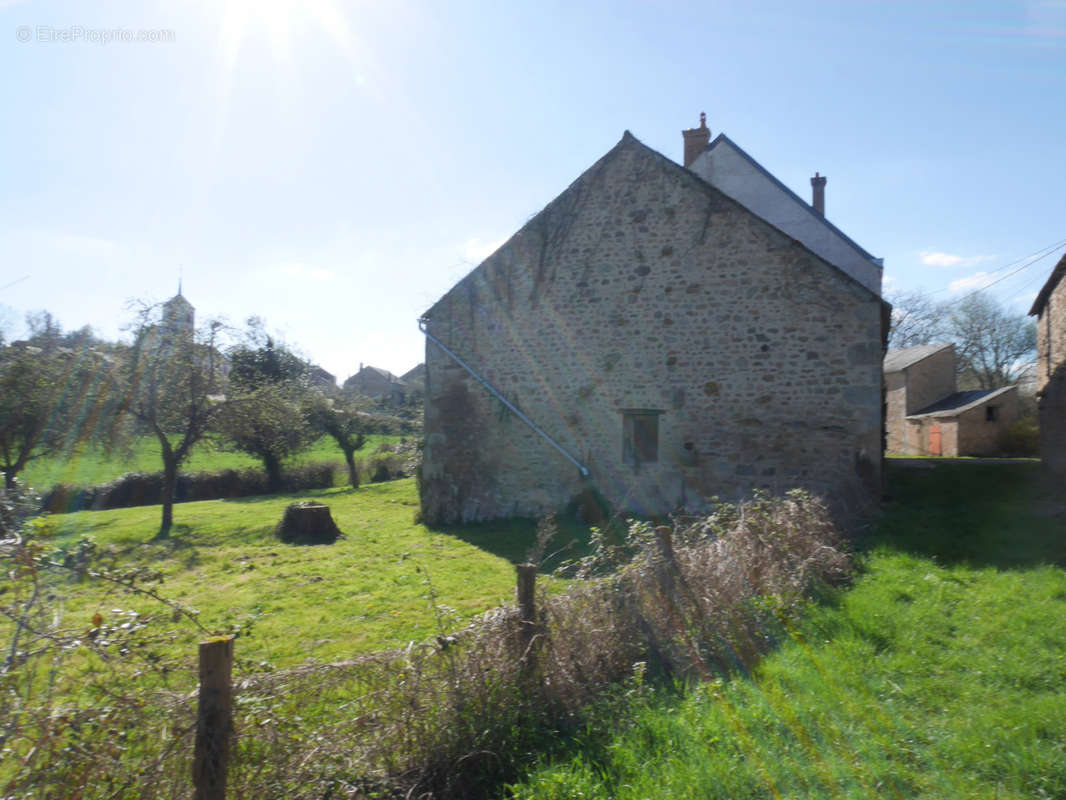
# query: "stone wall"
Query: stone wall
1051,377
896,412
724,166
930,380
978,436
912,389
918,432
641,287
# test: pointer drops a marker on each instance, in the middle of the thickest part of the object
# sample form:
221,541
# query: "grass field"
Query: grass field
92,465
940,673
368,591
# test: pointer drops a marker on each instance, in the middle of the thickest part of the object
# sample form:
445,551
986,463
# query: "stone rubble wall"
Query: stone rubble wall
978,436
641,287
1051,377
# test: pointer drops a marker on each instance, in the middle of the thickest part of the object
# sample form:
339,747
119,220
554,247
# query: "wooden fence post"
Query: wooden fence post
527,610
214,722
664,534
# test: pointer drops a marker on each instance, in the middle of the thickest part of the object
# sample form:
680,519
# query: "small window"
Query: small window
991,413
640,436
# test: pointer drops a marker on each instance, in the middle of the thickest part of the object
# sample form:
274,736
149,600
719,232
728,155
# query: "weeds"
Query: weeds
460,715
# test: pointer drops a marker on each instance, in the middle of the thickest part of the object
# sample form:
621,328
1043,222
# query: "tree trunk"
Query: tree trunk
272,465
170,480
9,478
353,473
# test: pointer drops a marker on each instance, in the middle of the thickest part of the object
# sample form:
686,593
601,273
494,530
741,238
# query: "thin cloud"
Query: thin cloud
938,259
978,280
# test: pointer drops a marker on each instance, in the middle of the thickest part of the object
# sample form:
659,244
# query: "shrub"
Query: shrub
393,461
89,707
146,488
1021,439
458,716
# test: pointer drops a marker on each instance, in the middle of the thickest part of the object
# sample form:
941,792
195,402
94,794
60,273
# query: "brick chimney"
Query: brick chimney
696,140
818,187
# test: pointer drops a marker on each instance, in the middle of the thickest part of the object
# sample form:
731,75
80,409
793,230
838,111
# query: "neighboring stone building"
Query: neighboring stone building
1050,311
320,378
926,416
669,345
415,378
376,382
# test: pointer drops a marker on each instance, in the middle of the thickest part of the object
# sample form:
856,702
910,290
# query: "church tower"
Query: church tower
179,318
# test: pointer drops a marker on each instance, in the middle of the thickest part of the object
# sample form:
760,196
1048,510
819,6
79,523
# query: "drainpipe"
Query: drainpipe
422,327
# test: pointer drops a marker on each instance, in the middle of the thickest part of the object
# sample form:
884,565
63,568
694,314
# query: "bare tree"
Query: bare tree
172,389
916,320
992,344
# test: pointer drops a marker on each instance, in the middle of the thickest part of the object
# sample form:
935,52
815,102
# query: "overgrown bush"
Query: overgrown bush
145,488
392,461
456,717
91,707
1021,439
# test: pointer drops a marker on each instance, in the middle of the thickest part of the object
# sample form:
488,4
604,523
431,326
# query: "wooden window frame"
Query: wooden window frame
640,436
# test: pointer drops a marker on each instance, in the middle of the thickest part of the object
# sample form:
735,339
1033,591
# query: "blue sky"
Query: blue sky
335,167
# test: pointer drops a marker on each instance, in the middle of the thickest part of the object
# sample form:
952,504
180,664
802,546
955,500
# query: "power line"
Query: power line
14,283
1037,256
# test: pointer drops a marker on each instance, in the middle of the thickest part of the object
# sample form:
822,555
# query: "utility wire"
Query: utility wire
1037,256
14,282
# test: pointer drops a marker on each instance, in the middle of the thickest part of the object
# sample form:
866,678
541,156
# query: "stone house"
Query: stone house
649,338
415,378
1050,311
926,416
376,382
321,379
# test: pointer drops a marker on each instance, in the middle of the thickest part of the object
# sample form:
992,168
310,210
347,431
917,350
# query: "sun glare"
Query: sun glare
277,31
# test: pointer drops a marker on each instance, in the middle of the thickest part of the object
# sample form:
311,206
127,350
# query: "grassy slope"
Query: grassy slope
91,466
941,673
365,592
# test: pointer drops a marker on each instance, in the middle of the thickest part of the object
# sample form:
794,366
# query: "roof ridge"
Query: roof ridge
1045,291
803,203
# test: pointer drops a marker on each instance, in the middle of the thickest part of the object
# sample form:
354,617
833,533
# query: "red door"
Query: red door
934,441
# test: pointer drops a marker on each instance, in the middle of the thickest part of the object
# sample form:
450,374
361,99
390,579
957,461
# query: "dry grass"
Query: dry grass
459,716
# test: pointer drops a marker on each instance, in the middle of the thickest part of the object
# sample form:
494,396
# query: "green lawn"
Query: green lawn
92,465
368,591
940,674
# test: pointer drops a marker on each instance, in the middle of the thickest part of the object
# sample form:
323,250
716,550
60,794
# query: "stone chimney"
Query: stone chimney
818,187
696,140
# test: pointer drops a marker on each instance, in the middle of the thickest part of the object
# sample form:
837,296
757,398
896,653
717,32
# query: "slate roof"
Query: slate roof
629,140
1053,281
955,404
803,203
898,360
384,373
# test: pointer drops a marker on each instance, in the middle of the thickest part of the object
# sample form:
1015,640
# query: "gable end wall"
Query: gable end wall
1051,378
641,287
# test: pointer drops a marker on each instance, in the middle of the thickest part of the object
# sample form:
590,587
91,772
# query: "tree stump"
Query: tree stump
307,523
